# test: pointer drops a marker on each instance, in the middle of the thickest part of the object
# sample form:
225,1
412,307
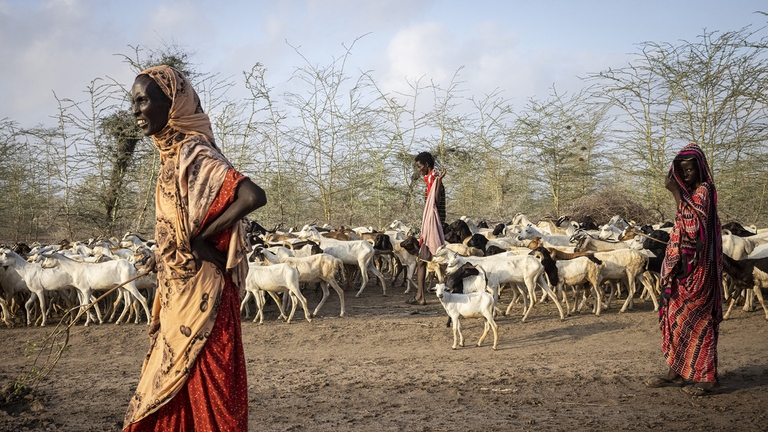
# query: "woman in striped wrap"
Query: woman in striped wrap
692,279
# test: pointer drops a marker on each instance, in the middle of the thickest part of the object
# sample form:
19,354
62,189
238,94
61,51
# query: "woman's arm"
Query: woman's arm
248,197
439,182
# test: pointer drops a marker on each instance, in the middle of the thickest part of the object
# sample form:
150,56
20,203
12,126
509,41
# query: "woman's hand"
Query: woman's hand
670,183
203,250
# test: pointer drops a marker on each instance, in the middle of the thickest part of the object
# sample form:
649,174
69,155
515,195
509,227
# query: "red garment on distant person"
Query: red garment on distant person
431,227
215,396
429,179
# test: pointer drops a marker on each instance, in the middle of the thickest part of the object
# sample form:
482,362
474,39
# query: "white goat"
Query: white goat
609,232
319,268
104,248
472,305
398,225
23,276
506,268
133,241
572,272
530,232
760,251
622,265
464,250
273,279
89,277
585,242
353,252
521,220
737,247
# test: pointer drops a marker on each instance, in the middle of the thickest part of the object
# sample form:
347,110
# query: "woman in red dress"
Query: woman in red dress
193,377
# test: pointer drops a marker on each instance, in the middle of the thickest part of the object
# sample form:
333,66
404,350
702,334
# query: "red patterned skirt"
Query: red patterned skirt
215,396
690,326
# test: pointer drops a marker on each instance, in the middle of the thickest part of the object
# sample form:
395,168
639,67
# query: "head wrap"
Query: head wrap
693,152
186,114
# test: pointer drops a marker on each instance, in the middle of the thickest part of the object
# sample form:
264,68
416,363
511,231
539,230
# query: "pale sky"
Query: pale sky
520,47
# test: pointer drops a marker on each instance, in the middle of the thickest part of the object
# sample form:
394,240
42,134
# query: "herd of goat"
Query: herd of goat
551,259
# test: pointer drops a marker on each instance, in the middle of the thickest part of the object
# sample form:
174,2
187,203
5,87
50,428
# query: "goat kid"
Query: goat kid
472,305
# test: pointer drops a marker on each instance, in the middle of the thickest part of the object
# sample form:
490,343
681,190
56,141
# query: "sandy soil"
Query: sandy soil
389,366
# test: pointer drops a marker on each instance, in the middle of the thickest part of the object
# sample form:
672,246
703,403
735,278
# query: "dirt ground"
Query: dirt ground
389,366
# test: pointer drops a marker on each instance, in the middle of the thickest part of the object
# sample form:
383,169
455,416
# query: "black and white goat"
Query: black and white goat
746,274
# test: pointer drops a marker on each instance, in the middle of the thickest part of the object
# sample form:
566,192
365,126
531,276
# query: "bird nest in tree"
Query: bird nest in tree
604,205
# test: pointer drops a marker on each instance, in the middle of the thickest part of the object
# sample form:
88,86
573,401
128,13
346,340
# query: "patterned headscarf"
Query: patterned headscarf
186,114
692,151
712,231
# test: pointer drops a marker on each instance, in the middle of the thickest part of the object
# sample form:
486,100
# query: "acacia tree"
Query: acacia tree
396,179
445,135
364,179
718,84
497,166
710,91
23,202
66,163
562,138
267,137
642,134
121,136
321,135
104,156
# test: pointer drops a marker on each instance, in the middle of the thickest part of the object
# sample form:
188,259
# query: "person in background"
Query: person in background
432,220
194,377
691,279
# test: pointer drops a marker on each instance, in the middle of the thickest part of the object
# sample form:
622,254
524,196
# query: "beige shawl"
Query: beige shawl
192,170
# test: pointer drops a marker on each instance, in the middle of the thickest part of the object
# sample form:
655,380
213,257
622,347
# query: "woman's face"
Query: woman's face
690,173
423,169
151,106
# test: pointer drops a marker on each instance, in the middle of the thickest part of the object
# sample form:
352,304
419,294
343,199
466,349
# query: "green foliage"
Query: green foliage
120,140
29,349
171,54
